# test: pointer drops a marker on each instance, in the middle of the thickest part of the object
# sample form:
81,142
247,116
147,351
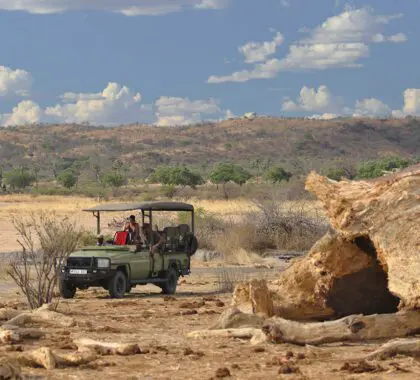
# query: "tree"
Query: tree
113,179
68,178
277,174
19,178
176,176
225,172
377,168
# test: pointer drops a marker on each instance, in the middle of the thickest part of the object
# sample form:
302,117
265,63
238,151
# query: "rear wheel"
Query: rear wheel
169,287
67,290
117,285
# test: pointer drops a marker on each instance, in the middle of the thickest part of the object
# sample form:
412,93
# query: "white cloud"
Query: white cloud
212,4
411,103
324,116
26,112
126,7
285,3
395,38
260,51
339,42
115,104
14,82
398,38
371,108
182,111
313,100
329,106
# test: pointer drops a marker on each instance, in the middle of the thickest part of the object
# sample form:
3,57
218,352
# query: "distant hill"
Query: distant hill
299,145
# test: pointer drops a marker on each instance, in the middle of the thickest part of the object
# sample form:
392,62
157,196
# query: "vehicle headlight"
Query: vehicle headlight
61,262
103,263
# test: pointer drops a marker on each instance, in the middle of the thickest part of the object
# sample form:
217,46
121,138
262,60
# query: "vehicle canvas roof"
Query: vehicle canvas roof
153,206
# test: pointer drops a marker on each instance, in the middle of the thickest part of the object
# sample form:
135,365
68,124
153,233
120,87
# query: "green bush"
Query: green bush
113,179
377,168
277,174
67,178
225,172
18,178
176,176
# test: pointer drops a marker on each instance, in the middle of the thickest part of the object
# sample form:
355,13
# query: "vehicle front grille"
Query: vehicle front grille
79,262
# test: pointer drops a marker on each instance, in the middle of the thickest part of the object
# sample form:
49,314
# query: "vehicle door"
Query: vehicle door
139,264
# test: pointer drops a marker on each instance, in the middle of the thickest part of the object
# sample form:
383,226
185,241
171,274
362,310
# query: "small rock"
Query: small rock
189,312
188,351
222,372
289,354
259,349
220,304
287,369
301,356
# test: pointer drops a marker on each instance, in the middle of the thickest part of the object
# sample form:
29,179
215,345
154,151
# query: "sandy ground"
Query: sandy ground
159,325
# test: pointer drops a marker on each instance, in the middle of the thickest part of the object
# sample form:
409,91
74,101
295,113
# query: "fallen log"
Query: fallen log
41,357
76,358
352,328
44,316
105,348
407,346
8,313
243,333
234,318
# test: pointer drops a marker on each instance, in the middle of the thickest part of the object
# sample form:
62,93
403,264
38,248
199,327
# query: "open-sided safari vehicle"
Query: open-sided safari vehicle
121,264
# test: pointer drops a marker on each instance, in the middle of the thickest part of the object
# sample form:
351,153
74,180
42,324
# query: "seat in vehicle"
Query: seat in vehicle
171,238
120,238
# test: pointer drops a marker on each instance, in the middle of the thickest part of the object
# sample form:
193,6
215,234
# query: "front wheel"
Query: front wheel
67,290
169,287
118,285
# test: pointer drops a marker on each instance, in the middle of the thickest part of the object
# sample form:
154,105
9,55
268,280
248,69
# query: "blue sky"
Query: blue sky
173,62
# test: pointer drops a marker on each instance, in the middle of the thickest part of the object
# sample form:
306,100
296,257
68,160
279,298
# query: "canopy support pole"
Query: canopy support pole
97,215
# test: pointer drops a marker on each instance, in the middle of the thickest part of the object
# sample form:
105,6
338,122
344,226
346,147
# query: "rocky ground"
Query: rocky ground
159,325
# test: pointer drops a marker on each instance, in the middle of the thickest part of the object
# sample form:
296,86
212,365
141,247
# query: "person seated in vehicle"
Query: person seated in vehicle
101,242
146,234
133,229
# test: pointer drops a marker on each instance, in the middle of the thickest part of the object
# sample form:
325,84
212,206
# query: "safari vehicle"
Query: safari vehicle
119,265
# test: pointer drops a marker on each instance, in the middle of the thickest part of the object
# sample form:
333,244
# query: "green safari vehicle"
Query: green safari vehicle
120,264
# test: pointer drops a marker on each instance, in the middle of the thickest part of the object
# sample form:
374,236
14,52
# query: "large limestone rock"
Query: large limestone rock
368,263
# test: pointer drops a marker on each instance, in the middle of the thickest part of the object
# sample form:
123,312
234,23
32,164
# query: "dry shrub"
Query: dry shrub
228,278
295,228
207,227
45,241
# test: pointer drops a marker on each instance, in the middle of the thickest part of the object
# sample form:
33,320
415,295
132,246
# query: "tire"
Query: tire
129,288
67,290
169,287
117,285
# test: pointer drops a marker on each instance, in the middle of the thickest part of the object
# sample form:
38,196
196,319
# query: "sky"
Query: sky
177,62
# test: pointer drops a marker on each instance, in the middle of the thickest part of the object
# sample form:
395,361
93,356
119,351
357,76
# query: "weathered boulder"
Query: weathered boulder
368,263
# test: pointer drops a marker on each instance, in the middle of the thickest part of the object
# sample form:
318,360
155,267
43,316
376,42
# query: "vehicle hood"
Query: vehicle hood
105,251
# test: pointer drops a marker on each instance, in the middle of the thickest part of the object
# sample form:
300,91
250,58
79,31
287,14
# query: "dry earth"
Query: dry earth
159,326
